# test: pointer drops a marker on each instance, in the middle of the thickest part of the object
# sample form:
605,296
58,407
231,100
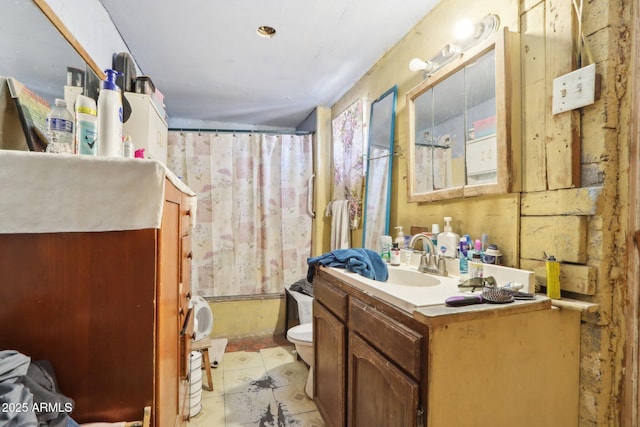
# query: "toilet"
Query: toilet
302,337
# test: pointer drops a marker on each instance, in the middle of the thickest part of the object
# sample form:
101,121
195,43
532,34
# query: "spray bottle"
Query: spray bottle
110,117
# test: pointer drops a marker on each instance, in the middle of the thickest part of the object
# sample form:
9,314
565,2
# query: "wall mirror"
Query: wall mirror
463,127
36,48
379,162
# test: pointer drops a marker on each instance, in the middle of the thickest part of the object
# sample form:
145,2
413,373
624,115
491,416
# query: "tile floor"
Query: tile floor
261,387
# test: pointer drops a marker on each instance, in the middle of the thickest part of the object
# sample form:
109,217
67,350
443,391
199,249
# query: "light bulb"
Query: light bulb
464,29
417,64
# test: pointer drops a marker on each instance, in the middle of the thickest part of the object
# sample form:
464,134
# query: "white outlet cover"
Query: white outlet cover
574,90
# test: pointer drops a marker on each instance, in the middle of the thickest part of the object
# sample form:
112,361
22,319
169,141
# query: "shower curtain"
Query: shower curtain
253,231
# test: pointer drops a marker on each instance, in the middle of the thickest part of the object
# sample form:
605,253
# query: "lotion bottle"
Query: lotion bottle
110,117
448,240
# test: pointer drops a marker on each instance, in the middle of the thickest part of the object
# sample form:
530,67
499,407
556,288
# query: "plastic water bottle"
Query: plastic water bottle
59,129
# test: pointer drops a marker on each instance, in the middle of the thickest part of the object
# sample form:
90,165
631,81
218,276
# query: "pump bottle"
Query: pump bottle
110,117
448,240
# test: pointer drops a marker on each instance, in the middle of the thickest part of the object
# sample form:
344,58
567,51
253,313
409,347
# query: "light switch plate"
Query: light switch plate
574,90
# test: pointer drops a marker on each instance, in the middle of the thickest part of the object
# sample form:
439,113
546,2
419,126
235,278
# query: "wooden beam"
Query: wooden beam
575,201
564,237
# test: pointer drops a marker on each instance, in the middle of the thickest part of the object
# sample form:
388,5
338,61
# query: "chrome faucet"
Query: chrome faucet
427,261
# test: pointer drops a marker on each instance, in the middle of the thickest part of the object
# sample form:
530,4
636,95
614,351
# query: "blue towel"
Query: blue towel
365,262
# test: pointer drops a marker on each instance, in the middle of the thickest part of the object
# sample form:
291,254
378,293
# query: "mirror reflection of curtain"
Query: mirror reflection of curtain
380,157
253,232
348,136
377,192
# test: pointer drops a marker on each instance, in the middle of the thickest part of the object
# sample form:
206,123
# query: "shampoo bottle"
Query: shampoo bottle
448,241
110,117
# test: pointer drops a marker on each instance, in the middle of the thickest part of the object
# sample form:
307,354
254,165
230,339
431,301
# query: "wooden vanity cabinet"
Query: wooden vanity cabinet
368,362
109,310
378,366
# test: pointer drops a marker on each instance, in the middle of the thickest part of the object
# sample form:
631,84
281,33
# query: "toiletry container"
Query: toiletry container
492,255
475,266
448,240
395,255
110,117
464,262
59,129
385,248
127,147
86,126
553,278
400,237
435,230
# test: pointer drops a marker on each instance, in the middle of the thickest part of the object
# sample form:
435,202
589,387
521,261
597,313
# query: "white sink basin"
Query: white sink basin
408,277
406,288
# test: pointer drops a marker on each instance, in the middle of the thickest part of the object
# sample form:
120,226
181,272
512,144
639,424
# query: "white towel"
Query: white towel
340,225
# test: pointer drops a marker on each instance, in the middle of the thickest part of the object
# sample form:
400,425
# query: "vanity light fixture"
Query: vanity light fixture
467,35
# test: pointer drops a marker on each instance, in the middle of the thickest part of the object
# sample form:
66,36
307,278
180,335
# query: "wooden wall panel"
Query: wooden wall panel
580,279
565,237
576,201
562,138
533,99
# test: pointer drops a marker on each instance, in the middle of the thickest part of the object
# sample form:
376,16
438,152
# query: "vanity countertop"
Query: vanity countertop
425,301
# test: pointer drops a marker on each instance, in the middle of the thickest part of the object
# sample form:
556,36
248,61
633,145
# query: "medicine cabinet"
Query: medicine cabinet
464,127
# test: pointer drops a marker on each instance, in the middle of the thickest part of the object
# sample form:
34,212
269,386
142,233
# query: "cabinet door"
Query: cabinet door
329,385
380,395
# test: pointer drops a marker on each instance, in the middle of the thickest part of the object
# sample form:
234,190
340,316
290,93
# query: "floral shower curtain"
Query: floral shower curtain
253,231
348,137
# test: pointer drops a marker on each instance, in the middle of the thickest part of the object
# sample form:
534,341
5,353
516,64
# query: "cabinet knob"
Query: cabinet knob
188,295
190,255
193,336
188,212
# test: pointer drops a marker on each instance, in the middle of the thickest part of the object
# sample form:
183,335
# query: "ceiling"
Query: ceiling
207,59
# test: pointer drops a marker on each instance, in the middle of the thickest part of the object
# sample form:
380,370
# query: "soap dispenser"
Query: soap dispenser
400,237
448,240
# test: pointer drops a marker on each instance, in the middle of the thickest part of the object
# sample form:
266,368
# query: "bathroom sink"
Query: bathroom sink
409,277
406,288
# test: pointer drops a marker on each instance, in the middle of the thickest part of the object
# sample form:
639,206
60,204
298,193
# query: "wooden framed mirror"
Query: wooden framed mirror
464,129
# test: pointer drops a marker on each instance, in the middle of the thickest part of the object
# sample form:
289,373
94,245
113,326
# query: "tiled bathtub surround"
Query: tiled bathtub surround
264,388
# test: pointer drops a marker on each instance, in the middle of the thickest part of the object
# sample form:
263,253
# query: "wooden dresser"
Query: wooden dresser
109,310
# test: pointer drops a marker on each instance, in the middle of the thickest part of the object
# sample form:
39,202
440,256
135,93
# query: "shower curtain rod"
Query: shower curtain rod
277,132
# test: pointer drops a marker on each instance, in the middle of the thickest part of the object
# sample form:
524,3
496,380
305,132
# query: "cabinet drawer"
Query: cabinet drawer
399,343
185,215
331,297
